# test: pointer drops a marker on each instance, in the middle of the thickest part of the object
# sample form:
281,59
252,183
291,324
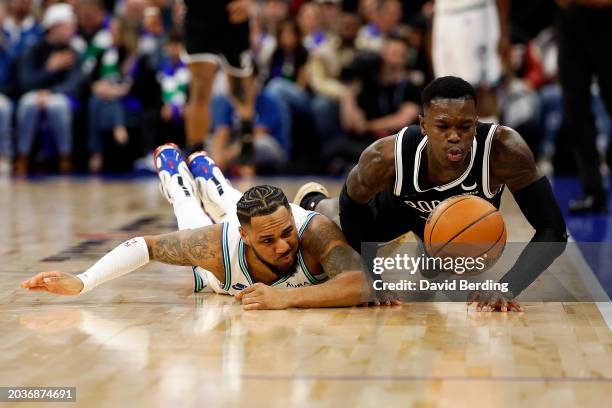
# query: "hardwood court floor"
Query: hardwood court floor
147,340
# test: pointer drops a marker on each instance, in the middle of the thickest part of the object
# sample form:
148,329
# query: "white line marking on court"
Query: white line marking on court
605,308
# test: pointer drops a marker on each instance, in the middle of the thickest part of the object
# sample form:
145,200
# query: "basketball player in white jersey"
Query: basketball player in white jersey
258,245
401,178
471,39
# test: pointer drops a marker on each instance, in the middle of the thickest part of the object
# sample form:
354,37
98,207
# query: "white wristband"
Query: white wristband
125,258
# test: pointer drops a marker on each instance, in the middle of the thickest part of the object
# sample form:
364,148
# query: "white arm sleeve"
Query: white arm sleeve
125,258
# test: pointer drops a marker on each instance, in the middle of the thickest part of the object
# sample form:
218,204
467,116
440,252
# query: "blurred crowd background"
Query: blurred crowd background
94,86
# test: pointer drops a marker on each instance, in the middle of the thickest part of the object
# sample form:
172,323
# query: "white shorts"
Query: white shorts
464,44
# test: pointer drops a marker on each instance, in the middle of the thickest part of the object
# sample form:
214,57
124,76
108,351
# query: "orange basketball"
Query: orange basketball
465,226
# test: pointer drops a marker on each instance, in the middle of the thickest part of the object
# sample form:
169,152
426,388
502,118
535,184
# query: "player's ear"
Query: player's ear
244,235
422,124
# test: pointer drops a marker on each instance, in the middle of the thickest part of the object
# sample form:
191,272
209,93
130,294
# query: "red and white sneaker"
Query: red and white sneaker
210,182
169,161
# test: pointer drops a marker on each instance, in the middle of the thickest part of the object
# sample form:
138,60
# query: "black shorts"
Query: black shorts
377,221
210,37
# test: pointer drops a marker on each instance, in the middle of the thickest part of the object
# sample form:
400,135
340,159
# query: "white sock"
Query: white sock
225,196
187,207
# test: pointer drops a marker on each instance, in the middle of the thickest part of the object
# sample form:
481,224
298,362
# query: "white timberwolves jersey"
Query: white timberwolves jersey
464,40
455,6
237,275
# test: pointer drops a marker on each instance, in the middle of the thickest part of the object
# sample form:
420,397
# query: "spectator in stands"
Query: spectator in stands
379,101
289,59
367,10
519,99
173,77
387,18
288,81
93,30
111,80
20,26
6,106
152,37
263,33
309,21
325,65
49,74
330,11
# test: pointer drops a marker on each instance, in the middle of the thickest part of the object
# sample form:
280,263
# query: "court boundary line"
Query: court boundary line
593,284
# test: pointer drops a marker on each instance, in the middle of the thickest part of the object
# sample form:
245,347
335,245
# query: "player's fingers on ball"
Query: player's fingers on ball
396,303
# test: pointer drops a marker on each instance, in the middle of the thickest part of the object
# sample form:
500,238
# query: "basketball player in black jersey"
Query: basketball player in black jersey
401,178
217,34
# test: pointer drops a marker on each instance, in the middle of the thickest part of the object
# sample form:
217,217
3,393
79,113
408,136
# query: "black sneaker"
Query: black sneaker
590,204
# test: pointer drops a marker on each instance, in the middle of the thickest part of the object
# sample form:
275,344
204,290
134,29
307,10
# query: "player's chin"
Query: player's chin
285,263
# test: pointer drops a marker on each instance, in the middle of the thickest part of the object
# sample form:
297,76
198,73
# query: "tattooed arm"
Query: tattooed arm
374,172
323,243
199,247
195,247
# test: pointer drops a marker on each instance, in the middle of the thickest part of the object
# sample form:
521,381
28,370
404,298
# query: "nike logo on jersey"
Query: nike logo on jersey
469,188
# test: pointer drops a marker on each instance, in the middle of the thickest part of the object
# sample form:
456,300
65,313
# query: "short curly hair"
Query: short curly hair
259,201
447,87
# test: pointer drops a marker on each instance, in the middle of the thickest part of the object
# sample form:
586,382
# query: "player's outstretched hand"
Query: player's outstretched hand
260,296
491,301
59,283
384,298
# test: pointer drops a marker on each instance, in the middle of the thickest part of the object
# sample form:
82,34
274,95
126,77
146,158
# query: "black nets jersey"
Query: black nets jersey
414,199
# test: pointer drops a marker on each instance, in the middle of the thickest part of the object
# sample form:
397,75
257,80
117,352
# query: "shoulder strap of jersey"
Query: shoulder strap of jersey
486,154
225,251
406,142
